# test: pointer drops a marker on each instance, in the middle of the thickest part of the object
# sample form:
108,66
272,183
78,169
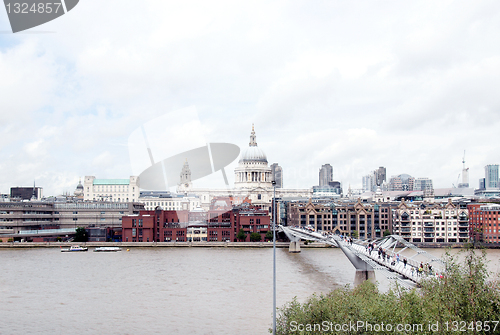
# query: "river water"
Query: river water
162,290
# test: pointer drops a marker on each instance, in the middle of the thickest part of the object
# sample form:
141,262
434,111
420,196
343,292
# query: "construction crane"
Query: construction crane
465,174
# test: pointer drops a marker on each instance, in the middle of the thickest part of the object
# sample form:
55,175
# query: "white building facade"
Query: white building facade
431,223
174,203
113,190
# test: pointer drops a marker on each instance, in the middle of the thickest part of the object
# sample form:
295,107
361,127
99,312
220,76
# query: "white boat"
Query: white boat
74,248
107,249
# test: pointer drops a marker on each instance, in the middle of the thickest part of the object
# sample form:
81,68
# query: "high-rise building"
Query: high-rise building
482,184
423,184
368,183
325,175
381,175
277,174
373,180
403,182
491,176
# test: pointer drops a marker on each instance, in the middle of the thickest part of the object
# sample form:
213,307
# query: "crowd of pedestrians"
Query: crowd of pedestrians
384,255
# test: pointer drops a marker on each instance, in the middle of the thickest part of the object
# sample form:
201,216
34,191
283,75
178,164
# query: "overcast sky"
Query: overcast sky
408,85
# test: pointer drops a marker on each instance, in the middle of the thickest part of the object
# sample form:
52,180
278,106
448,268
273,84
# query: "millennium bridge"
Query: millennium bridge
367,259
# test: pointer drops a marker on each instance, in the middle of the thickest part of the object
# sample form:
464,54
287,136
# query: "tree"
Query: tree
81,235
465,292
269,235
387,232
241,235
464,295
355,234
255,237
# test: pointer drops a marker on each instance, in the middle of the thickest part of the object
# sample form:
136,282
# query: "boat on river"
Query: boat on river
107,249
74,248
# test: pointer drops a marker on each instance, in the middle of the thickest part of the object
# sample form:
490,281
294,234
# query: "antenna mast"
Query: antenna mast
465,174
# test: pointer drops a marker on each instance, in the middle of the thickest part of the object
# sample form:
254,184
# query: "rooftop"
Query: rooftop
111,181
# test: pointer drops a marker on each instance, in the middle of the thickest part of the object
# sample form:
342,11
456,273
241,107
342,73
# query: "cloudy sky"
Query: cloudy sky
408,85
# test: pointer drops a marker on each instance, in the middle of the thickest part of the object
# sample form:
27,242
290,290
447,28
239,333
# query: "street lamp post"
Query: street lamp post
274,257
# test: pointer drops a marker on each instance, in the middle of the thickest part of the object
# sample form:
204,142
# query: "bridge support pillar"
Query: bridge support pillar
362,275
294,246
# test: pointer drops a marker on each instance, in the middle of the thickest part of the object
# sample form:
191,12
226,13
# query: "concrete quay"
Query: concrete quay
24,245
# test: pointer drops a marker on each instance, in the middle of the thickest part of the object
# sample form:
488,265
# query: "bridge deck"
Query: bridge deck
408,272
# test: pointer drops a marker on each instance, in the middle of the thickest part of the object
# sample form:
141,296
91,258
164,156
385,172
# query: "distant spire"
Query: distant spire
253,143
33,196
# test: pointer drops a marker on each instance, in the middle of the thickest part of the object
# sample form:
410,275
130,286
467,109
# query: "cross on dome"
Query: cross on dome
253,143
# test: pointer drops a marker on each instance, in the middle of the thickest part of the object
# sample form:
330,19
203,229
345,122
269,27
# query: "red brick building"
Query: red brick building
150,226
484,224
220,224
251,220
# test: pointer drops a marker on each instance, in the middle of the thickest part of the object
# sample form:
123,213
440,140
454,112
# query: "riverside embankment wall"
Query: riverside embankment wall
159,244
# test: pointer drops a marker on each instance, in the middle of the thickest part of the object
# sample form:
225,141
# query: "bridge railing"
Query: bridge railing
409,271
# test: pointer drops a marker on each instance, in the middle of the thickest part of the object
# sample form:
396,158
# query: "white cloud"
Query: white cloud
359,85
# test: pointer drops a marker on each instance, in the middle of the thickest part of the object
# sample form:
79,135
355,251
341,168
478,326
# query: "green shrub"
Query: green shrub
464,296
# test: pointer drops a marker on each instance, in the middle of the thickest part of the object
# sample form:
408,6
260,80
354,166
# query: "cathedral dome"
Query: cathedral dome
253,153
252,170
79,189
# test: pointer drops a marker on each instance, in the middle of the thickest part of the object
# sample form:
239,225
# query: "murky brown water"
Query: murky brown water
161,290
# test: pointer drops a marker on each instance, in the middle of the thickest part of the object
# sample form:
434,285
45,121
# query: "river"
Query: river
162,290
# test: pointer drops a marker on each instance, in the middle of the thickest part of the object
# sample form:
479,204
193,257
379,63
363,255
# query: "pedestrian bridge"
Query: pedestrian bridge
366,260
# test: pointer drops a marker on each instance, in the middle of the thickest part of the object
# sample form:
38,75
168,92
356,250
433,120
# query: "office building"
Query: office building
325,175
368,183
30,220
374,180
402,182
277,175
491,176
26,193
380,176
423,184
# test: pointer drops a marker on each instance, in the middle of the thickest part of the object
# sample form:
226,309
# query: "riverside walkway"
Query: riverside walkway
366,259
